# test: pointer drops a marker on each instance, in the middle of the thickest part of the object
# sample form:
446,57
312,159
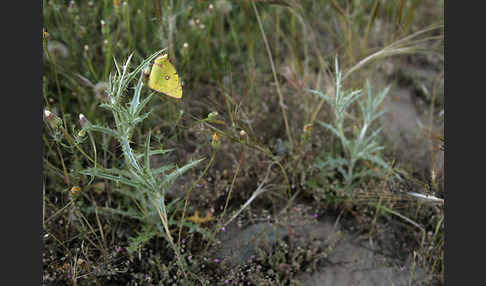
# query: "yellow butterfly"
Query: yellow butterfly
163,78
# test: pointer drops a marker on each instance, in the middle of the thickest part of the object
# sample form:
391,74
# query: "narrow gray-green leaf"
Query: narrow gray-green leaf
102,129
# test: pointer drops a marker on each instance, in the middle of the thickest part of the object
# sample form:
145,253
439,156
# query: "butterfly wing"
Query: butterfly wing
163,78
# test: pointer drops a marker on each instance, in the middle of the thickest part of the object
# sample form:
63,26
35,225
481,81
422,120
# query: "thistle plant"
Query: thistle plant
361,145
146,186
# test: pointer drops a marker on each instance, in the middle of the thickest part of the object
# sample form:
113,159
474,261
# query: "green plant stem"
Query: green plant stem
258,148
58,86
188,194
274,72
171,29
58,212
95,154
90,67
66,175
233,183
163,218
71,140
374,10
126,16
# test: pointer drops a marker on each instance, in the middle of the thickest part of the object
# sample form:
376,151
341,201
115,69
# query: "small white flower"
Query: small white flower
57,49
223,6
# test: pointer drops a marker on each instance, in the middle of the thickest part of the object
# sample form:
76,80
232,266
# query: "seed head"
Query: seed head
52,119
212,116
223,6
57,49
100,90
83,121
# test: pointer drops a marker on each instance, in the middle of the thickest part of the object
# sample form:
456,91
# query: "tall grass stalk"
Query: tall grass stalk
274,72
408,45
374,10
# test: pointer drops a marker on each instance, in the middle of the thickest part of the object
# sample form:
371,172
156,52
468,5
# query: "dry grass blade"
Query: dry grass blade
407,45
364,44
274,72
256,193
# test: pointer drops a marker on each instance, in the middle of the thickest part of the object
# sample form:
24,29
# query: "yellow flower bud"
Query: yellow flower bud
215,142
45,35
